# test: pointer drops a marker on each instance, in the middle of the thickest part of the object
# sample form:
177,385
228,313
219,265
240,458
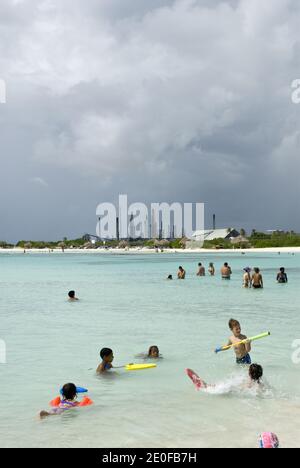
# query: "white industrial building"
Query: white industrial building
212,234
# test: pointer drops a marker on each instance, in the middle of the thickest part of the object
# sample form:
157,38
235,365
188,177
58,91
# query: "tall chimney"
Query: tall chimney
118,229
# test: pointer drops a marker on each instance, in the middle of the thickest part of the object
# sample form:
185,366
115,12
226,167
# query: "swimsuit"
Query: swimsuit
64,406
282,278
246,360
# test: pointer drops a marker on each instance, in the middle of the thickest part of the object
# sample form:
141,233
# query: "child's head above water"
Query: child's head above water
69,391
107,355
235,326
256,372
153,352
71,295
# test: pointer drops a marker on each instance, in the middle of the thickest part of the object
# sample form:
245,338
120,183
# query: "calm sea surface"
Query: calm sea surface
127,304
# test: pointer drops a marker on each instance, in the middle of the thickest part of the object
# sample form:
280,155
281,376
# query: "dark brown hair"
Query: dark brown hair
256,372
233,323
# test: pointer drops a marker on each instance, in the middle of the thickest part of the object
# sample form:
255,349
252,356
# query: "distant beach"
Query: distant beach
283,250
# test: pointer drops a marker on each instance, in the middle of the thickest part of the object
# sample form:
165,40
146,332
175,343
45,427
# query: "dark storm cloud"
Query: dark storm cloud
163,100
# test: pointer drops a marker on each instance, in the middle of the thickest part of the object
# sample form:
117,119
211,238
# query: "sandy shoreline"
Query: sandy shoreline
282,250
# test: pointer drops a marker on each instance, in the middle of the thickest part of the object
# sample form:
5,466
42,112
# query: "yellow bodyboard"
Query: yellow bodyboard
135,367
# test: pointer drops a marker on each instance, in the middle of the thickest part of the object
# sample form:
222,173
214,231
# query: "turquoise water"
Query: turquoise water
127,305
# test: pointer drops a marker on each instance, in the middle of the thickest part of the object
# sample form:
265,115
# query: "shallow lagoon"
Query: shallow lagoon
127,304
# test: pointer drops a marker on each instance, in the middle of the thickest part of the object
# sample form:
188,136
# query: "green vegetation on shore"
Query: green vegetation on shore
255,240
83,243
261,240
5,245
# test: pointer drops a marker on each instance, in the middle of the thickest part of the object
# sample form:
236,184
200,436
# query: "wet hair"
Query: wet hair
226,264
105,352
233,323
180,268
256,372
69,391
199,264
282,270
152,348
257,270
71,294
170,277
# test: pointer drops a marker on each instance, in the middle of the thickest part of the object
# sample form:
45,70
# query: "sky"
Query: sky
162,100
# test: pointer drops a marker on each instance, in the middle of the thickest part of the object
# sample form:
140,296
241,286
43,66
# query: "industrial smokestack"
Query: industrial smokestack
118,229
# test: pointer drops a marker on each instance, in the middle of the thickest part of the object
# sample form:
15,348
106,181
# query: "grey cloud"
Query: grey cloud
186,100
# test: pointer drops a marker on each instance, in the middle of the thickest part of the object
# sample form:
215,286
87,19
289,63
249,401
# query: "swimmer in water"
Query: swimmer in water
107,357
257,279
247,278
242,351
72,296
170,277
255,375
201,270
226,272
211,269
153,352
282,276
67,402
181,273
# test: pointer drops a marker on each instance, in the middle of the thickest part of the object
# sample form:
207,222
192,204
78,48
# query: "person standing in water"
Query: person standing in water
242,351
226,271
181,273
247,278
211,269
257,279
201,271
282,276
